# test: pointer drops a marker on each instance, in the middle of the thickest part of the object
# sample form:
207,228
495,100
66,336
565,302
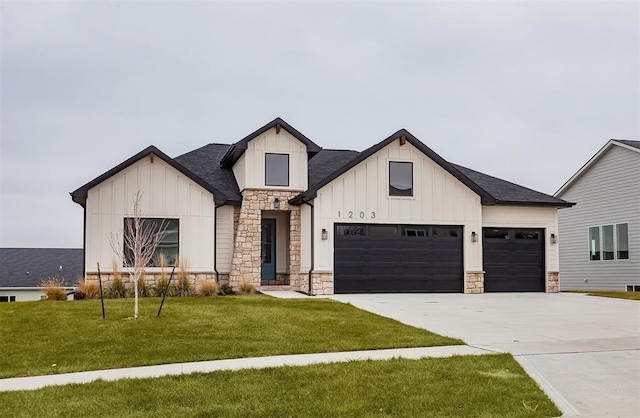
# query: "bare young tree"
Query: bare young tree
139,242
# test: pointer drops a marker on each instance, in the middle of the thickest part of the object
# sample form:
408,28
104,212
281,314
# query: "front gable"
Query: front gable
363,191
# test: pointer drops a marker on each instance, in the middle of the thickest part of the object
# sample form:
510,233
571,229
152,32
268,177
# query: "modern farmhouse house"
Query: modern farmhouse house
600,236
277,209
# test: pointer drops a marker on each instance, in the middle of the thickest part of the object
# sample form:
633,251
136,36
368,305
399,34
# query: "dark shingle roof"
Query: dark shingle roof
205,163
635,144
505,192
27,267
328,161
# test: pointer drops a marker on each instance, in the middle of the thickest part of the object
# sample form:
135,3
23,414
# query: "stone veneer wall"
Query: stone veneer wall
474,282
151,278
245,265
552,282
321,283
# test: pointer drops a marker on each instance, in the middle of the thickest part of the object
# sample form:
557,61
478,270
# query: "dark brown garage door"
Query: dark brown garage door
513,260
397,258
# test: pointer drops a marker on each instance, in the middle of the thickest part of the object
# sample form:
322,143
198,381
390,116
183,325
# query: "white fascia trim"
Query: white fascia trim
592,161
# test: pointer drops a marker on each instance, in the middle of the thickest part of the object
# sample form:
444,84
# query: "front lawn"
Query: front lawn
59,337
619,295
464,386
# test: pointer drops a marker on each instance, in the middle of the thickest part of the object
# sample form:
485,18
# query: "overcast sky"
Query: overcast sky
524,91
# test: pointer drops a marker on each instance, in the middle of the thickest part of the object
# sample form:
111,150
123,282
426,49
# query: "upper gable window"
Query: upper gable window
276,169
400,178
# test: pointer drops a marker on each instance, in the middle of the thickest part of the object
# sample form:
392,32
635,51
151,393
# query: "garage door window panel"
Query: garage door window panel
400,178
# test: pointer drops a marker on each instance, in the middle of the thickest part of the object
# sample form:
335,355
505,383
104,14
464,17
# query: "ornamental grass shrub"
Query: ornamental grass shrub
52,288
246,288
208,288
87,290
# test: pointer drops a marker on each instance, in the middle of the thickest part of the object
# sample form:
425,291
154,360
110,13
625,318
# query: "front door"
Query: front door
268,250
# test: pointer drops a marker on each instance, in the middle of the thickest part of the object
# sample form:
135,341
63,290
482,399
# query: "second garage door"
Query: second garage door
398,258
513,260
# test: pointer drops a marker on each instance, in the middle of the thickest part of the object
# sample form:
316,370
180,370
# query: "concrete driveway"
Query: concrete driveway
584,351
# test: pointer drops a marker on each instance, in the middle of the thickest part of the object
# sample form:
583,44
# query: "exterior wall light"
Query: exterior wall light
474,237
325,234
276,203
554,238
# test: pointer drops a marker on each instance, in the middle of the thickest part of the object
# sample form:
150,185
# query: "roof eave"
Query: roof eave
560,204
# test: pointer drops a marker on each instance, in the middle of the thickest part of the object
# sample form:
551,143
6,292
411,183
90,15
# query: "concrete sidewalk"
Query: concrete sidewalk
37,382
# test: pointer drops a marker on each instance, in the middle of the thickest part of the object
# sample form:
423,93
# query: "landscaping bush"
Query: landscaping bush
144,290
183,284
226,289
53,289
87,290
247,288
117,288
160,286
208,288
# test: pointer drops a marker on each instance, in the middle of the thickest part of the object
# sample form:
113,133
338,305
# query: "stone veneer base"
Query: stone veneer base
552,282
474,282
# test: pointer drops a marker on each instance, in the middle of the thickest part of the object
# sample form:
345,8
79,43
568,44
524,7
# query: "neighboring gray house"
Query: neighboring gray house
600,237
23,269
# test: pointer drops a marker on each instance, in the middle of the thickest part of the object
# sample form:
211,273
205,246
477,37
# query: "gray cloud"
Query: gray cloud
525,91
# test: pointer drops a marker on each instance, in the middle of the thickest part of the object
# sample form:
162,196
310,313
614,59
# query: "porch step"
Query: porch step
274,287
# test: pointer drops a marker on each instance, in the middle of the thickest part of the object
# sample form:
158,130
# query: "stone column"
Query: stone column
552,282
474,282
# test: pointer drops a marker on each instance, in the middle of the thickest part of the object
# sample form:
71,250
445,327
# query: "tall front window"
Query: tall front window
594,243
276,169
167,249
400,178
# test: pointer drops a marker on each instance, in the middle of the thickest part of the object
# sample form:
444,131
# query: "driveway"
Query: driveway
584,351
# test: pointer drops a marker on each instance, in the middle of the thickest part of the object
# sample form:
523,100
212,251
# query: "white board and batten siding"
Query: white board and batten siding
607,193
361,195
167,194
249,170
526,217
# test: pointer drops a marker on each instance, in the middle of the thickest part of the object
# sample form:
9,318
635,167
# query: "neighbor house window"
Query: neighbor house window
622,241
609,242
7,298
276,169
400,178
594,243
167,250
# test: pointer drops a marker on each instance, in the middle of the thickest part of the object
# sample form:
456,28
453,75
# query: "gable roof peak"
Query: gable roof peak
236,150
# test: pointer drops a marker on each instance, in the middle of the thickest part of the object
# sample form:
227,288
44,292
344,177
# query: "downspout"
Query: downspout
215,243
310,292
84,241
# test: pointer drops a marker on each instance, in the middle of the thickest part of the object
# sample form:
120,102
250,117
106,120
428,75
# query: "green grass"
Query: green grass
619,295
58,337
490,385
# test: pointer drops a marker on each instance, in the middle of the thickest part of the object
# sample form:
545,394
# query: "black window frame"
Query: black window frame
395,192
171,259
266,169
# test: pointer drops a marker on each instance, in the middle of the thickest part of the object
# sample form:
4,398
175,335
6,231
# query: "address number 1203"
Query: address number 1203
351,214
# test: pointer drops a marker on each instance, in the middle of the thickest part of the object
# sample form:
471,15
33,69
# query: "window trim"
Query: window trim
615,258
288,170
392,196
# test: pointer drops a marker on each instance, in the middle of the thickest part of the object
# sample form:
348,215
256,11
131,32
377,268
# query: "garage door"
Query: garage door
397,258
513,260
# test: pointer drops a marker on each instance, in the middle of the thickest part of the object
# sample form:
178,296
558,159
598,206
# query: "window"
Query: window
622,241
7,298
633,288
528,235
609,242
276,169
169,242
383,231
400,179
496,234
416,232
594,243
360,230
443,232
